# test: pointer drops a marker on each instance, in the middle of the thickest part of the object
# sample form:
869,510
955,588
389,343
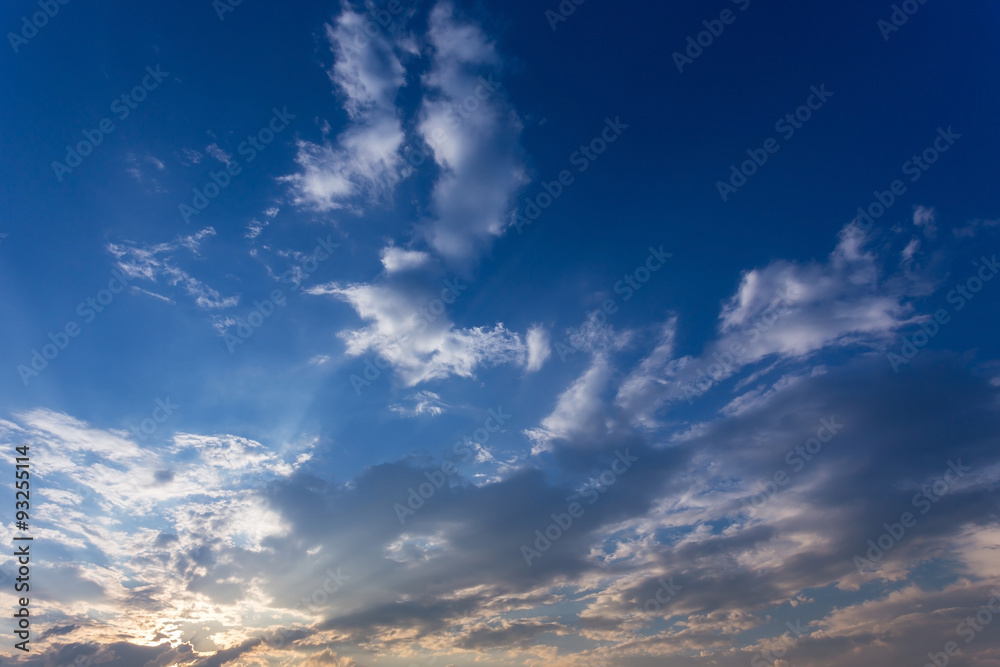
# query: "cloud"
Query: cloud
117,473
190,156
579,411
785,311
421,403
189,551
972,229
135,170
539,349
464,119
474,137
364,163
219,154
155,262
365,159
73,436
138,290
396,259
731,569
327,658
254,229
170,520
420,344
453,580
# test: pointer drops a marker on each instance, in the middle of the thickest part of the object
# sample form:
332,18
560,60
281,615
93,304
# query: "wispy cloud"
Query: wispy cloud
364,160
157,262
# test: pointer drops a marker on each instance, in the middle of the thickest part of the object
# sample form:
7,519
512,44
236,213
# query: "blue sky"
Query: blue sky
364,295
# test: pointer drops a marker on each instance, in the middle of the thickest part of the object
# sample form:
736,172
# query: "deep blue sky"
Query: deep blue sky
332,447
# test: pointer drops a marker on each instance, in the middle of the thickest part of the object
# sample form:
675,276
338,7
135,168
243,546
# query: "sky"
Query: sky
453,333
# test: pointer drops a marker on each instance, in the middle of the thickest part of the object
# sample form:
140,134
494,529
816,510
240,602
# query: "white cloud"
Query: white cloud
67,434
254,229
539,349
579,411
122,476
420,349
421,403
365,159
396,259
366,162
597,336
219,154
474,137
138,290
154,262
641,391
786,310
